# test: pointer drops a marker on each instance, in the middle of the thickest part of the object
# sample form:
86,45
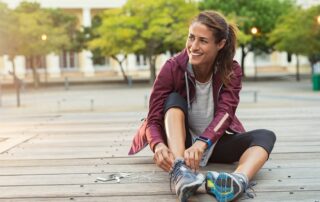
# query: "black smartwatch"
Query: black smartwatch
204,139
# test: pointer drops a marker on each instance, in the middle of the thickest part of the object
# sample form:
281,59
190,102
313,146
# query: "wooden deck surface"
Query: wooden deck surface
59,157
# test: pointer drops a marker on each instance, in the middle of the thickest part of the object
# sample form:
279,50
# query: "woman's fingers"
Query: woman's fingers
196,161
163,159
166,160
192,158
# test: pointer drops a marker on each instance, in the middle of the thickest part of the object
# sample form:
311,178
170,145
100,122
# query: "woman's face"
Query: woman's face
201,46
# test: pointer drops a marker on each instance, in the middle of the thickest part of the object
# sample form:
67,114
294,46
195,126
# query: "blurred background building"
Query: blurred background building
81,65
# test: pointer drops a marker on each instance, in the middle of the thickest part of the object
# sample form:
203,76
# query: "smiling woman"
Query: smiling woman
192,121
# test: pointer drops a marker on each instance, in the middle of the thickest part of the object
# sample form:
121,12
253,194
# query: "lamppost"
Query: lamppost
254,31
318,19
44,38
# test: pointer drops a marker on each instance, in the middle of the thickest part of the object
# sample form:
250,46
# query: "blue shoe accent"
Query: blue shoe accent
224,187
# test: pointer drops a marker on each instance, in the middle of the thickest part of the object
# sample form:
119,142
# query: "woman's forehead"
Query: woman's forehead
200,30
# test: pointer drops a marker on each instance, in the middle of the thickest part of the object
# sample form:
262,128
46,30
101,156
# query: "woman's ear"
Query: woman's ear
222,43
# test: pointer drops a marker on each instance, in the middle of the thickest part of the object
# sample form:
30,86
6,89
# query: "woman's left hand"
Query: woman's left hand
193,155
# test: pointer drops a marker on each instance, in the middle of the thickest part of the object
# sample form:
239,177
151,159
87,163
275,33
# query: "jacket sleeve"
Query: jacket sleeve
162,87
228,100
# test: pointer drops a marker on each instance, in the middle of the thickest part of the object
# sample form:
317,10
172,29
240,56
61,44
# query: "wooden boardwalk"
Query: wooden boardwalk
67,157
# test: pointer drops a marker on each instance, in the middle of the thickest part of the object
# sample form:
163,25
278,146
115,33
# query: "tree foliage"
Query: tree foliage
298,33
32,31
145,27
10,36
254,13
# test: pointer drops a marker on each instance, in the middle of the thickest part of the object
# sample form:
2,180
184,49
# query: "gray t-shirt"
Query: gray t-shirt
201,114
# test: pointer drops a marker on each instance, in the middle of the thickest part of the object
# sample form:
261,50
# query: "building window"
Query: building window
36,61
141,60
68,60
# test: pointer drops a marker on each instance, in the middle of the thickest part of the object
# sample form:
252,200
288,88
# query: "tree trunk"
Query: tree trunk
297,68
152,62
243,56
16,80
11,59
125,77
35,75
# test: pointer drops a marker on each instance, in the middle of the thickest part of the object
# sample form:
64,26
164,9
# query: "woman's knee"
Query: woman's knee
268,135
264,138
175,100
175,112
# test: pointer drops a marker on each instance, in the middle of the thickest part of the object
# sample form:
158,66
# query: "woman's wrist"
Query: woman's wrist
202,144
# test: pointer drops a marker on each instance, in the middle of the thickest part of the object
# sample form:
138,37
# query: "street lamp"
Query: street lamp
44,37
318,19
254,31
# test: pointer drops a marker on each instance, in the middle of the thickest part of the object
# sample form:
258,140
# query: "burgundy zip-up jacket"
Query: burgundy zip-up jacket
175,77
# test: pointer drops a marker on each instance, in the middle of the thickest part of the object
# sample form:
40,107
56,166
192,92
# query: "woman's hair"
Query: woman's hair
221,30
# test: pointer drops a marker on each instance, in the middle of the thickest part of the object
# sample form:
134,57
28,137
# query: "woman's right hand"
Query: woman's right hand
163,157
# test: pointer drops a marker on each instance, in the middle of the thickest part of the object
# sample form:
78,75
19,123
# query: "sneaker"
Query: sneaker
210,181
224,186
186,182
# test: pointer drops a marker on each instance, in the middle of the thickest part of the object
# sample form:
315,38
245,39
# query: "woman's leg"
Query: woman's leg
174,121
251,149
176,124
251,161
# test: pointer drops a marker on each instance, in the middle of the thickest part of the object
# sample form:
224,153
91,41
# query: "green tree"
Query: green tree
10,37
161,25
42,31
10,42
115,37
298,33
248,14
144,27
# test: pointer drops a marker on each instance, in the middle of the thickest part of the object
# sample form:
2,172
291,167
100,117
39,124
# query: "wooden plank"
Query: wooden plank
121,150
133,189
265,173
288,162
11,142
260,197
158,198
134,177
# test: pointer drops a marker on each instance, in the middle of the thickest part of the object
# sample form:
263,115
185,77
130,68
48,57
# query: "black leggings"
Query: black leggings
229,147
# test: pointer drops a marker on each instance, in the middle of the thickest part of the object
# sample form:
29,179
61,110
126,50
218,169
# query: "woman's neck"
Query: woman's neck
202,74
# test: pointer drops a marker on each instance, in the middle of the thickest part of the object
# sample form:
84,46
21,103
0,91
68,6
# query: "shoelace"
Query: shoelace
175,173
251,194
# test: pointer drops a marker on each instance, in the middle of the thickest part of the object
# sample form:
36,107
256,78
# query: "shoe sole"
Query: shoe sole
225,188
189,189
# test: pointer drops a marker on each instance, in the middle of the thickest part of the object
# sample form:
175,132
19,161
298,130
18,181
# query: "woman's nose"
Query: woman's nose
194,45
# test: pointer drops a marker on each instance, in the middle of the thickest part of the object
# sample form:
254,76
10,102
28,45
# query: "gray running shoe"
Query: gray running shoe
186,182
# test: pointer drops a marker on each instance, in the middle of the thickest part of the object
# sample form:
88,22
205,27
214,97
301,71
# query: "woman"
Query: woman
192,120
